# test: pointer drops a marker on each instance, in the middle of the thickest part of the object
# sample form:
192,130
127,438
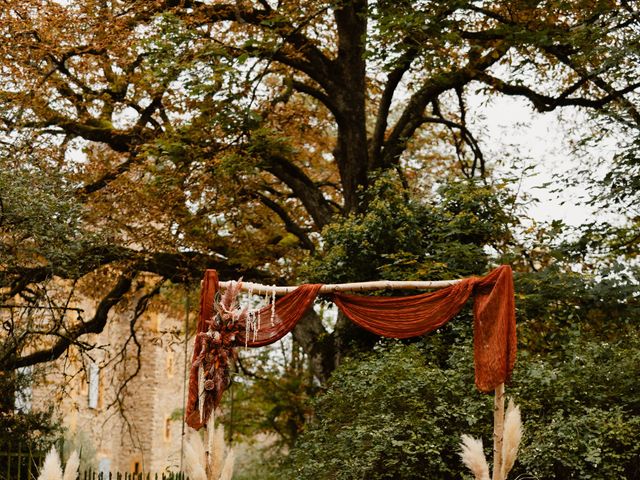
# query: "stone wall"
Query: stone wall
143,429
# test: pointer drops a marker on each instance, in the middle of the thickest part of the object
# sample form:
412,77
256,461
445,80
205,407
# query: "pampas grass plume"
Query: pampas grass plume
216,449
511,437
197,446
210,463
229,298
193,463
72,466
227,469
51,468
473,457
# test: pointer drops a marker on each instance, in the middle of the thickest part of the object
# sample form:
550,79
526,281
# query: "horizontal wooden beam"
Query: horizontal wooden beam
260,289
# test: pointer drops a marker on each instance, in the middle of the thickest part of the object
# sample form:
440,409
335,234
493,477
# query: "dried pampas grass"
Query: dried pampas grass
216,450
473,457
511,438
193,456
52,469
210,462
227,469
72,467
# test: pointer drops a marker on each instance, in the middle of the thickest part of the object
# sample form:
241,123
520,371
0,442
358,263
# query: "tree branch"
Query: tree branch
95,325
546,103
179,267
393,80
599,82
308,59
303,187
468,138
289,224
412,116
318,95
108,177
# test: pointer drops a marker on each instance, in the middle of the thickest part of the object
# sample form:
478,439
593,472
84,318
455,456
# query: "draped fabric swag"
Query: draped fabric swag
395,317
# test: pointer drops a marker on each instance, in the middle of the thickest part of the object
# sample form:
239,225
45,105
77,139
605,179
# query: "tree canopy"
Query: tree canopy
144,141
165,137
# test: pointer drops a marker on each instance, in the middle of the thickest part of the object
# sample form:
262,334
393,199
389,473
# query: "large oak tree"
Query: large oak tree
163,137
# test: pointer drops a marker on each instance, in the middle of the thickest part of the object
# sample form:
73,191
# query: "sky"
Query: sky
543,141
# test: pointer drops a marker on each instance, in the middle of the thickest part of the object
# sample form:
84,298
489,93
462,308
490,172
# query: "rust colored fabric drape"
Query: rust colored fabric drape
405,317
208,291
396,317
289,309
494,328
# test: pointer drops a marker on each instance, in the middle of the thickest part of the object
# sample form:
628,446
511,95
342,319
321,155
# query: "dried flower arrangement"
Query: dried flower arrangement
52,468
473,456
228,325
211,462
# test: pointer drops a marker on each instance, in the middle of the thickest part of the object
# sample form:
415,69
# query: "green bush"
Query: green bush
581,410
392,414
398,413
399,237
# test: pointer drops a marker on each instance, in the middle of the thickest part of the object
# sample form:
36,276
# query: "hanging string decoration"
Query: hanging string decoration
225,326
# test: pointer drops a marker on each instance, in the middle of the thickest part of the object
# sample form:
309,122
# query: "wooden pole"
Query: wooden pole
260,289
498,431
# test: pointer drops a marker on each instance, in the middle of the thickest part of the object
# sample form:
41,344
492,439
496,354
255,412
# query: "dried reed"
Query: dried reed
72,467
194,453
227,469
473,457
212,462
216,449
511,439
51,468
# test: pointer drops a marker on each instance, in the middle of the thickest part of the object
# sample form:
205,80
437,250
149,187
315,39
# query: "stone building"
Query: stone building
135,427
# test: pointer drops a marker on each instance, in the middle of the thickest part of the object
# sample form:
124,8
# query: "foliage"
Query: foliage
407,422
180,136
580,415
40,220
402,236
257,459
270,396
36,428
557,302
623,179
618,192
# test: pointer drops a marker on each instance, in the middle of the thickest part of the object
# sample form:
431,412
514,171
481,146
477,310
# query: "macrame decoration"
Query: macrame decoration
222,326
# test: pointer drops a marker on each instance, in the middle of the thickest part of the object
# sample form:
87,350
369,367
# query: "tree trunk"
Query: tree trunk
349,95
318,344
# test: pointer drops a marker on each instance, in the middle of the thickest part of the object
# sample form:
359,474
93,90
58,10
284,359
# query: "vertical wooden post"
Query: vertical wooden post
498,431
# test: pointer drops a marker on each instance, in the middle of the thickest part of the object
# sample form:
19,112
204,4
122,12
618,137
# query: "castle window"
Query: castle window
170,364
94,384
167,429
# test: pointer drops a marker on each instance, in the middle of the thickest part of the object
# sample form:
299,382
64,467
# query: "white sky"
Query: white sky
529,138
